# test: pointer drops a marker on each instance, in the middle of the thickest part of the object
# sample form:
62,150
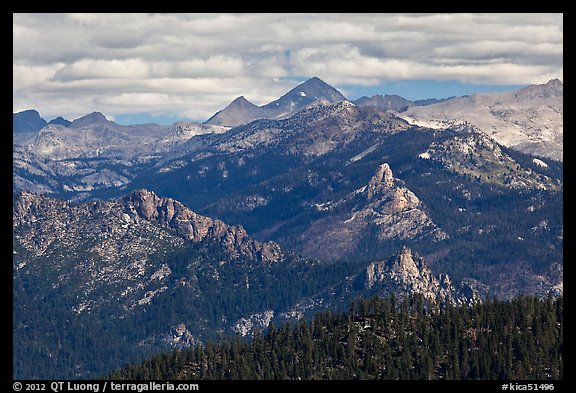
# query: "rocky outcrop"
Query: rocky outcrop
144,204
397,211
406,273
384,204
48,219
246,326
179,337
382,178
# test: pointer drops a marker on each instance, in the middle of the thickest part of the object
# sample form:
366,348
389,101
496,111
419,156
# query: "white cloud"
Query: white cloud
195,64
103,69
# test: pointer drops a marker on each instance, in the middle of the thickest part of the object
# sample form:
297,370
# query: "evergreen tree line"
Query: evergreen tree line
384,338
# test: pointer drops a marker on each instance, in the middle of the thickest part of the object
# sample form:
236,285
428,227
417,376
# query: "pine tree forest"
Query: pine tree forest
386,339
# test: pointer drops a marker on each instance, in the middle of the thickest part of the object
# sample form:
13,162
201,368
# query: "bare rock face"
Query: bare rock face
382,178
395,209
530,120
108,251
179,337
246,326
384,202
406,273
194,227
171,213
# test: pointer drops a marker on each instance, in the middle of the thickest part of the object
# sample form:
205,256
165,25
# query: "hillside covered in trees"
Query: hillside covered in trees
389,339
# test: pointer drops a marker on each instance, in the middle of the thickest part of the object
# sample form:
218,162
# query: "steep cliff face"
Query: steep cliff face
40,221
395,209
384,205
143,204
406,272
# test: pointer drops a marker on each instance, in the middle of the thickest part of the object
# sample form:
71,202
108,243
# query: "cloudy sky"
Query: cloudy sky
136,68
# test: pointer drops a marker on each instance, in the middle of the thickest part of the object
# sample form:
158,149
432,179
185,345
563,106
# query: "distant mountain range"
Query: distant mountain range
242,111
530,120
321,159
30,121
166,236
312,92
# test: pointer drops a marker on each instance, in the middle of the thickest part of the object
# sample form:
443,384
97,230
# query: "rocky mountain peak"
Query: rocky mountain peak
386,102
406,272
552,88
61,121
27,121
405,265
555,84
389,193
383,178
91,119
242,101
167,212
317,87
241,111
384,205
306,93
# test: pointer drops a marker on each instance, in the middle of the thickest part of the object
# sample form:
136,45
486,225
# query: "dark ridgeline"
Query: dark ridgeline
387,339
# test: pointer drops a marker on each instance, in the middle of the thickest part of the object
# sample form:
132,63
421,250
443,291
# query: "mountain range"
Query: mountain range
50,157
241,111
529,120
154,274
166,236
334,182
